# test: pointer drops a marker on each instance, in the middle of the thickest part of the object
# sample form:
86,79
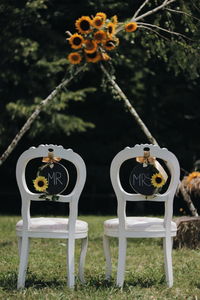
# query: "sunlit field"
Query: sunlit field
46,276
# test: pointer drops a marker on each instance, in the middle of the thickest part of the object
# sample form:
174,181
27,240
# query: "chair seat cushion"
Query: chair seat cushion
52,224
135,224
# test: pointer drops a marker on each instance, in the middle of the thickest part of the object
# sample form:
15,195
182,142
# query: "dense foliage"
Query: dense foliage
33,62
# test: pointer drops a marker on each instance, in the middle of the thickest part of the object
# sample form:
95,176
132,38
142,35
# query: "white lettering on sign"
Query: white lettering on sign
56,177
142,180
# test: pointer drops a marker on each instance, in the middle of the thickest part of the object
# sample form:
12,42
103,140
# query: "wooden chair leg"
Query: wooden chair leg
23,262
70,263
106,247
167,247
84,244
121,261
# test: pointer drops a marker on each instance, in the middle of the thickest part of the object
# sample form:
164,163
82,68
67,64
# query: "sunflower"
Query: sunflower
110,44
97,22
114,19
40,184
99,36
76,41
83,24
93,57
192,176
111,29
90,46
130,27
157,180
74,58
102,15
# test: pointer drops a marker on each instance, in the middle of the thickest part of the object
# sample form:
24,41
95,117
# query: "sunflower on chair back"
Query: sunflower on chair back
40,184
157,180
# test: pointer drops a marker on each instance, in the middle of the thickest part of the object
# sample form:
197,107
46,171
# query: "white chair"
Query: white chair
62,228
125,227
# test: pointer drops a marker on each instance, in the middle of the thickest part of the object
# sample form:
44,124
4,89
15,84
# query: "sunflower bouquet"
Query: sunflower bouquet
95,37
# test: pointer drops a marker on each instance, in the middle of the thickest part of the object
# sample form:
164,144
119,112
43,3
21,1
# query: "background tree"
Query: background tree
33,63
158,70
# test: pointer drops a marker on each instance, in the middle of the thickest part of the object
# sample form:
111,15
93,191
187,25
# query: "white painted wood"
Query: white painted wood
125,227
23,261
70,262
121,260
68,228
167,247
84,245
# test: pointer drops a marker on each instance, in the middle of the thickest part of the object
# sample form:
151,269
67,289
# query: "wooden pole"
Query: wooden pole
131,109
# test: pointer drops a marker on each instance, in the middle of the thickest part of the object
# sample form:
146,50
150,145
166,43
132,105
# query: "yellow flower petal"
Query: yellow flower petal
40,184
74,58
157,180
90,46
99,36
83,24
111,29
102,15
93,57
76,41
192,176
97,22
130,27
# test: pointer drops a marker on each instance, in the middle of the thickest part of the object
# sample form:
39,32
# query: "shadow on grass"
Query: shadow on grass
33,281
99,282
8,282
144,282
196,284
7,243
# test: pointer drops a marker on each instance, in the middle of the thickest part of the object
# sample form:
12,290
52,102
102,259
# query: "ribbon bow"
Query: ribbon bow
51,158
147,159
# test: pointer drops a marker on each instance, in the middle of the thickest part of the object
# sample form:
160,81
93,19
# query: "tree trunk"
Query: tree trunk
131,109
188,200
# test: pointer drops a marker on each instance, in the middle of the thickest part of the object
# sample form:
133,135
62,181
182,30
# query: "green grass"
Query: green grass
46,276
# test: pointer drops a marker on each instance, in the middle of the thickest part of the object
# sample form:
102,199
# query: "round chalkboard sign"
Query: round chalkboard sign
57,176
140,179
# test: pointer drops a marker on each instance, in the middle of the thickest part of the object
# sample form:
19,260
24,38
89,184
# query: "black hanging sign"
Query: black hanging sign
57,177
141,179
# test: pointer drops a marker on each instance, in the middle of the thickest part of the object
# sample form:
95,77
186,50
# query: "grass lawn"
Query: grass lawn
46,276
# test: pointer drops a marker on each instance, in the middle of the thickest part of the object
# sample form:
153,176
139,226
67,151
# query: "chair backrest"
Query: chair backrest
42,151
138,151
